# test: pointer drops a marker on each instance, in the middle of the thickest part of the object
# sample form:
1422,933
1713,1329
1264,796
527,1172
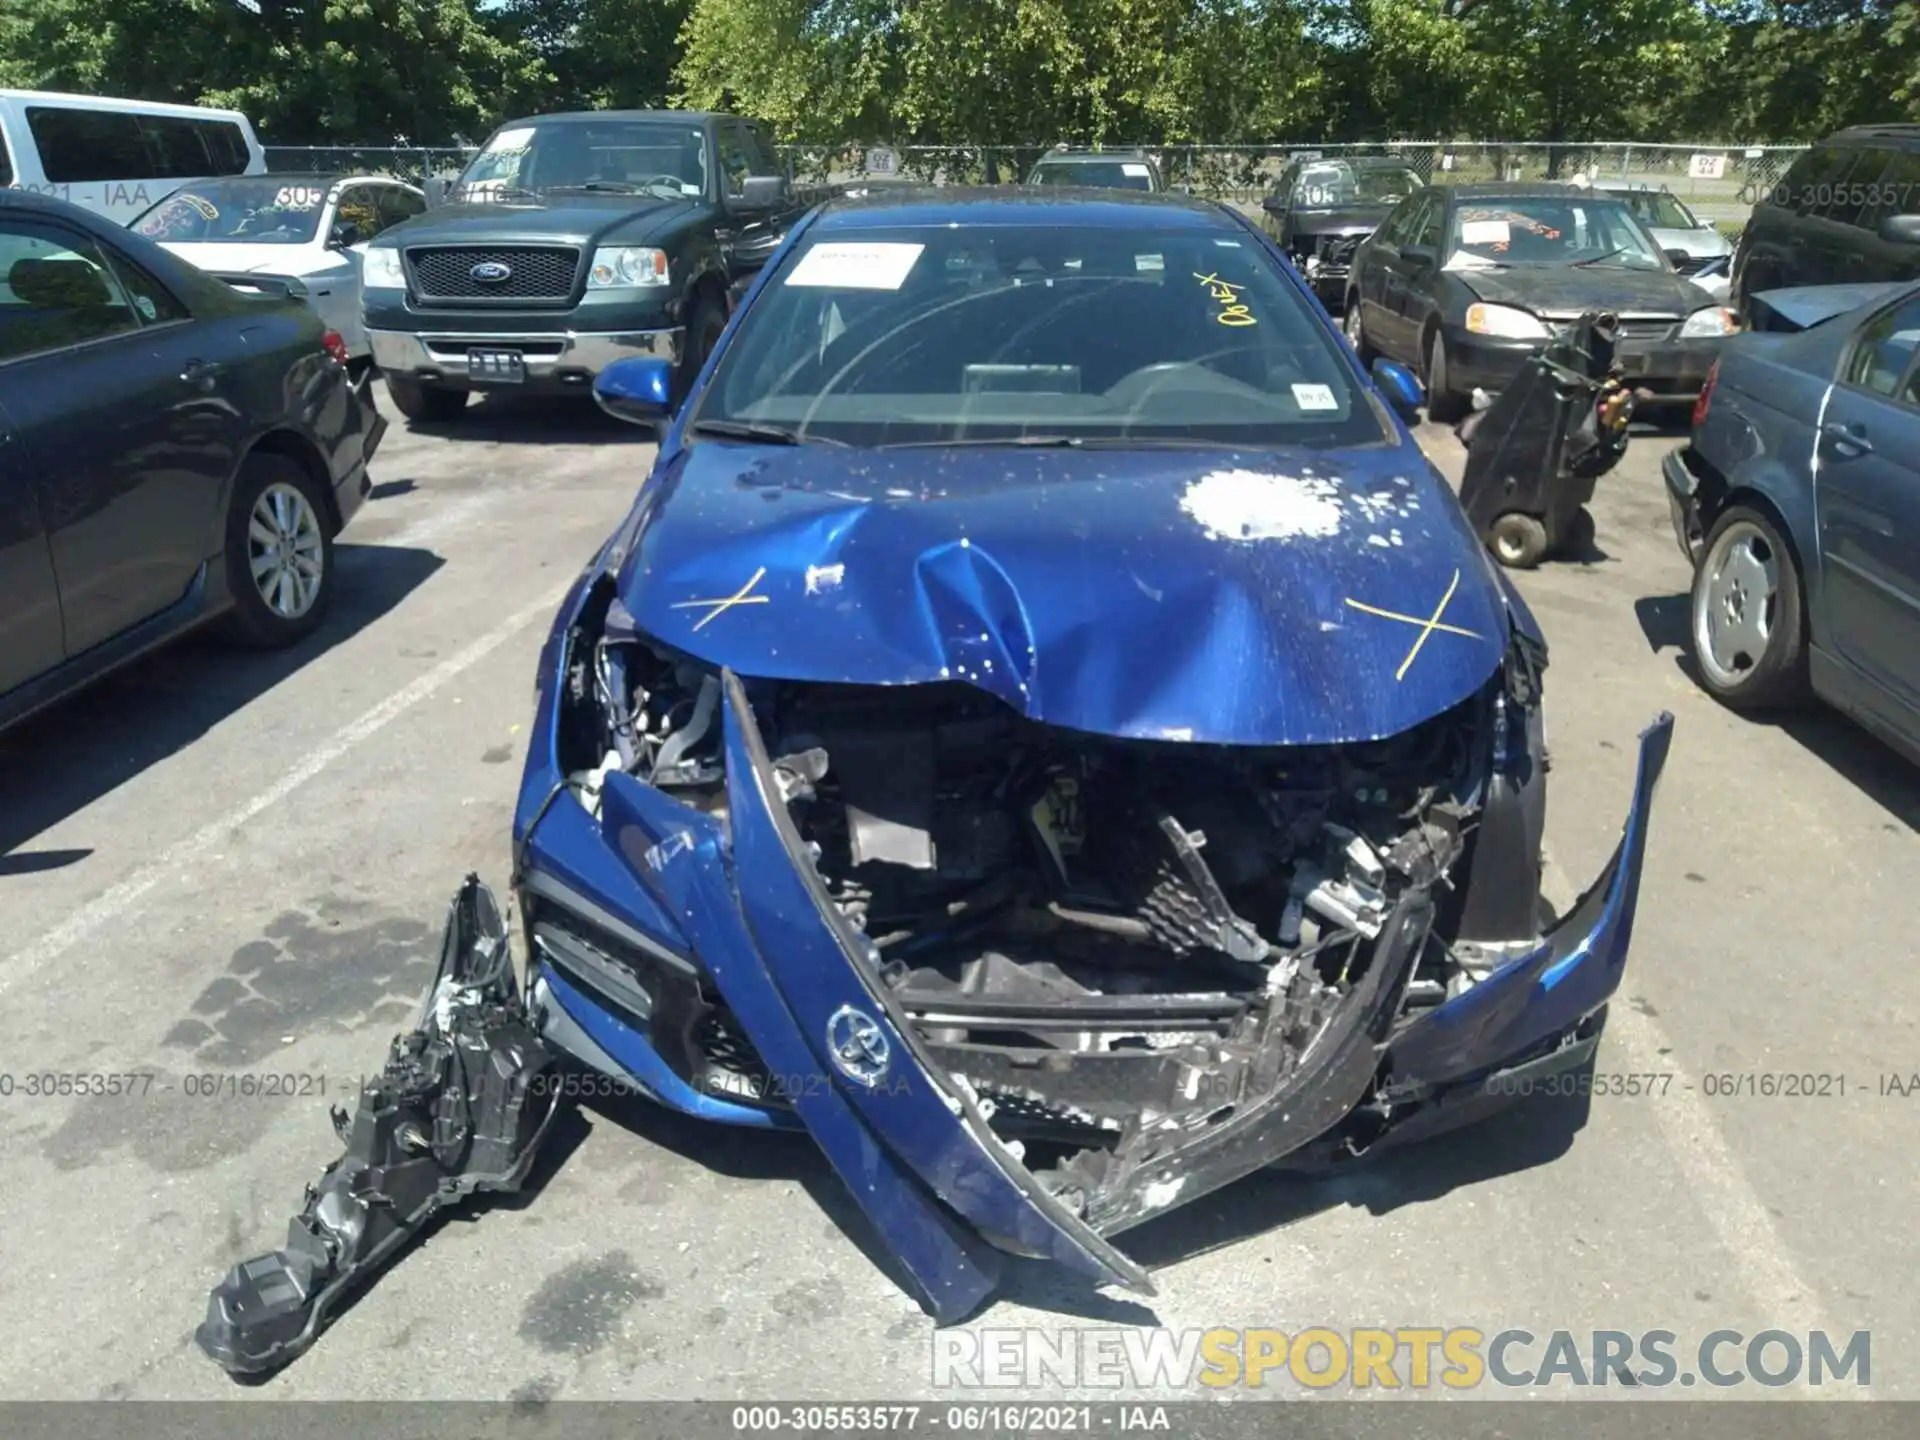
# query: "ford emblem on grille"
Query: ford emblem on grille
491,272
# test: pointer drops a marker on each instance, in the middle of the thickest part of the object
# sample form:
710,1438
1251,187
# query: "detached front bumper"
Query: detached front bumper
554,360
651,920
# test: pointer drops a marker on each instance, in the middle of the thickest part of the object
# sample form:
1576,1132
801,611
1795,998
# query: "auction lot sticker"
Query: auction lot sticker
881,265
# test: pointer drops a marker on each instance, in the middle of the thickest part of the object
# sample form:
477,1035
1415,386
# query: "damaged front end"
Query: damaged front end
1043,982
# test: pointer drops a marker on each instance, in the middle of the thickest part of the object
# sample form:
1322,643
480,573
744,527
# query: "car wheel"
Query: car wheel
703,333
1747,628
1356,330
429,403
279,553
1444,403
1518,541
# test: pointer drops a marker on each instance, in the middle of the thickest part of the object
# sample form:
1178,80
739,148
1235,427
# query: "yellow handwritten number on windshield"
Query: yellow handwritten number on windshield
1232,311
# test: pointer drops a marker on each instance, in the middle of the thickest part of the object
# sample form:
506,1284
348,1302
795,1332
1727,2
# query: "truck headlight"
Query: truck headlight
380,268
1505,322
1714,320
626,267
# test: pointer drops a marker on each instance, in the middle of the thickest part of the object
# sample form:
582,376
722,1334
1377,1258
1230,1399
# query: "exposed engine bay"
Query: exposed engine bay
1120,949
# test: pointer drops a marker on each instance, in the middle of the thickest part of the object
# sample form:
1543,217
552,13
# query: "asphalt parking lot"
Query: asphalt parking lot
240,864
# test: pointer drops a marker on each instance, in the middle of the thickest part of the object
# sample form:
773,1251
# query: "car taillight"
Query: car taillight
335,346
1701,405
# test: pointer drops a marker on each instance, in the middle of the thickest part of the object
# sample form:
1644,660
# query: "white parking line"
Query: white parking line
1732,1208
116,901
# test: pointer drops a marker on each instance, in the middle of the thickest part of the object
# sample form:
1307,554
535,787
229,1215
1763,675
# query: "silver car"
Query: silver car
303,231
1688,240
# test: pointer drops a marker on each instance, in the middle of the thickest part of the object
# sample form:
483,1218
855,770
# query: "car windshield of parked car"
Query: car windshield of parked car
1663,210
256,210
667,157
1325,186
1549,232
1036,334
1107,174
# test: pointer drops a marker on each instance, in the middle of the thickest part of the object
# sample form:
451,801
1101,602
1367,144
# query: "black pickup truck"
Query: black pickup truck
569,242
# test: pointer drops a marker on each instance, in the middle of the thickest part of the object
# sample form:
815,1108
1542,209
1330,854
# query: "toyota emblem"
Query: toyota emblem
858,1046
491,272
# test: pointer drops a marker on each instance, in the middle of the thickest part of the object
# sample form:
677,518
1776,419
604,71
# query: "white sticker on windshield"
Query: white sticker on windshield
878,265
511,142
1149,262
1484,232
1315,397
1135,170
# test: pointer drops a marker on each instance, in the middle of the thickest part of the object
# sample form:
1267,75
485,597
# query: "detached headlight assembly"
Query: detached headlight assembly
380,268
1505,322
1714,320
627,267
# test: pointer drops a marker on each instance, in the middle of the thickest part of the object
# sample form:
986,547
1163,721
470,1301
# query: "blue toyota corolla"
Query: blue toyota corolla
1045,729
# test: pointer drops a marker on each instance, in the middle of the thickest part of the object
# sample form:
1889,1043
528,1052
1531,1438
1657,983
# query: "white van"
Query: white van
116,157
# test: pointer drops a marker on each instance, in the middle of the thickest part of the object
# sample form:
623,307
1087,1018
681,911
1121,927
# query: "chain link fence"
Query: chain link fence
1720,183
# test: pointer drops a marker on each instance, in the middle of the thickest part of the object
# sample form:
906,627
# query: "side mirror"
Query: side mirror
638,389
1404,393
1901,229
761,192
345,236
1420,256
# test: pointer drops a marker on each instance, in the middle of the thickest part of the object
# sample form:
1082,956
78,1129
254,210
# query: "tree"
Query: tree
612,54
819,70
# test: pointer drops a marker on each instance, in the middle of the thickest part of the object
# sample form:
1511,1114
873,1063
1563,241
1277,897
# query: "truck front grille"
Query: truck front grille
534,272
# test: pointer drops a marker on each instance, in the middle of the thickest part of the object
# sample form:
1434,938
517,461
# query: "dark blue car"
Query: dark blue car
172,451
1044,729
1797,500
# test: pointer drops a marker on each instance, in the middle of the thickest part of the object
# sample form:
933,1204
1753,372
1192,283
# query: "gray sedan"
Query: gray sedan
1798,502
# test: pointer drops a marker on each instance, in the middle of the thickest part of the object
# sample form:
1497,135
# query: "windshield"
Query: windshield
1325,186
258,210
1550,232
1109,174
662,157
1056,334
1662,210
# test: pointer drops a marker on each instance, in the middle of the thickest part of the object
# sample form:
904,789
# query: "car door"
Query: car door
751,234
1407,274
121,415
1867,501
30,639
1369,264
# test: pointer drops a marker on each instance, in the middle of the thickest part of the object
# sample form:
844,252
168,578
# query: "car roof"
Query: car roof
1898,135
1510,190
1055,157
582,117
1399,162
1017,205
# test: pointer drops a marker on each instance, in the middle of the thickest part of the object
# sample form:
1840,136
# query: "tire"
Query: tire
1747,623
428,403
1355,329
1518,541
703,331
1444,404
279,539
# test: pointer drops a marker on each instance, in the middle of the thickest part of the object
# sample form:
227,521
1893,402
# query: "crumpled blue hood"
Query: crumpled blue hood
1265,598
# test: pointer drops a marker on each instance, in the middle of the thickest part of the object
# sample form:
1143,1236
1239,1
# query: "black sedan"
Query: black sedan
172,451
1466,281
1321,211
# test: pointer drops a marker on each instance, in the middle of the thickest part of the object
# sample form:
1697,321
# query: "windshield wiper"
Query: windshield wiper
1596,259
480,192
1068,442
757,431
